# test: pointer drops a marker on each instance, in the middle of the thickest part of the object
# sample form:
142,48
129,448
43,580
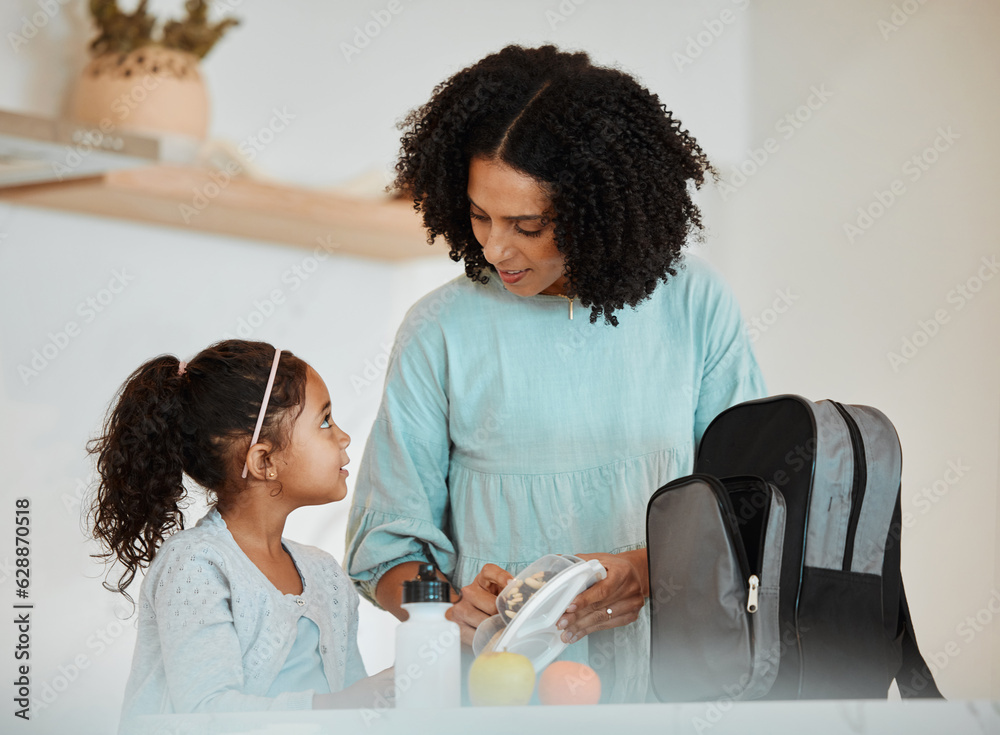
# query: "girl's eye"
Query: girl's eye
327,422
529,233
479,217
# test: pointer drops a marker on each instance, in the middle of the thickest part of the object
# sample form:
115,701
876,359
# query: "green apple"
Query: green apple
501,678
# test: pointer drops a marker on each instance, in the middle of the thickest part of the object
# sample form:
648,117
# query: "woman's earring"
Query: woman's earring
271,475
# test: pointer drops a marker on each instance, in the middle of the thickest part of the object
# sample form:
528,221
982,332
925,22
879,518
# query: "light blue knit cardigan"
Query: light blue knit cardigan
213,632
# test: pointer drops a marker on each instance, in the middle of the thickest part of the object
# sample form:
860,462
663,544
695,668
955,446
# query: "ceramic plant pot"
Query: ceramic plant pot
151,90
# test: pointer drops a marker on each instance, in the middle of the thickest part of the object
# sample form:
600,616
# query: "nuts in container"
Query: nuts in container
532,578
519,591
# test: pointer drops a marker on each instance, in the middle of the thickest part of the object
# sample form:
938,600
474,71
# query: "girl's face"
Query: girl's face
512,219
311,468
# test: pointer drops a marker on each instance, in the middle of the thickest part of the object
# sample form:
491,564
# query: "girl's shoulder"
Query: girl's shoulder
206,543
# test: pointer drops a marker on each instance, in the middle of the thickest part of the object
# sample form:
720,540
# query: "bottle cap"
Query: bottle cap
426,587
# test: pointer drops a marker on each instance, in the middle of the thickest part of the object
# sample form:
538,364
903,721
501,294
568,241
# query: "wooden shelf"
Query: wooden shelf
195,199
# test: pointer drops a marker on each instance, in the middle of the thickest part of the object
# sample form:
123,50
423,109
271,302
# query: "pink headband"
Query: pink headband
263,406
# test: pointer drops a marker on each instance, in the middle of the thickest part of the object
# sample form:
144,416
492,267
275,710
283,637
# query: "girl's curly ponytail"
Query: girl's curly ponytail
141,465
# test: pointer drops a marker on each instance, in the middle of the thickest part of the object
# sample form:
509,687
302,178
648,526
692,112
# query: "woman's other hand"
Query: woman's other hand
376,692
479,600
623,592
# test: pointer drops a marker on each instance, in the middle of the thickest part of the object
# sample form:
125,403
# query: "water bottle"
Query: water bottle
428,669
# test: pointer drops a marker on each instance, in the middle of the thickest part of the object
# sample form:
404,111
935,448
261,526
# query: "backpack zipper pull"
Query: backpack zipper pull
752,597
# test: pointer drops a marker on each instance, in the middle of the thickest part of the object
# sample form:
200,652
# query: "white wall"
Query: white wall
890,92
781,230
179,292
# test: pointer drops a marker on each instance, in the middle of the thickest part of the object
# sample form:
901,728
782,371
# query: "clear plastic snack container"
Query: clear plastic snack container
532,603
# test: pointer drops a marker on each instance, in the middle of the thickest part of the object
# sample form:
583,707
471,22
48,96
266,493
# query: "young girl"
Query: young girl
231,616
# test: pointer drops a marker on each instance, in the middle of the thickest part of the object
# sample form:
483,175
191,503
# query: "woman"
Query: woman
510,426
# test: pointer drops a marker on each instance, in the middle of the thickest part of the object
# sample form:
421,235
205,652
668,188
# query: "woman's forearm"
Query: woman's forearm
389,592
639,559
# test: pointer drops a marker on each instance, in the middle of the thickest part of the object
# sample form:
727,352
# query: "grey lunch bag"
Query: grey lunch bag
774,569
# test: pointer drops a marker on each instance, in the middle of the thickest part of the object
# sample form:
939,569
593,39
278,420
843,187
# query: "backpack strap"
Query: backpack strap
914,678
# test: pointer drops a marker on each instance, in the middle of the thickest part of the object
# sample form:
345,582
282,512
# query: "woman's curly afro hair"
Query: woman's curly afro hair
613,160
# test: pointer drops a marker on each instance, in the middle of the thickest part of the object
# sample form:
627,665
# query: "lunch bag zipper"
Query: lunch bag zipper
858,489
732,528
750,576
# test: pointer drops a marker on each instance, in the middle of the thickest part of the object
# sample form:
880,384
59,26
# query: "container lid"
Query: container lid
531,605
426,587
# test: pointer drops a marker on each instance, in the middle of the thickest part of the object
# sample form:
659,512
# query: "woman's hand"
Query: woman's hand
375,692
623,592
479,600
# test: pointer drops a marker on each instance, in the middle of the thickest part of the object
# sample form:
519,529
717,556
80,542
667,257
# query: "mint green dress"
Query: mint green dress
508,431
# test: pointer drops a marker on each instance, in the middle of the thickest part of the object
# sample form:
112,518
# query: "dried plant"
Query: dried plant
120,32
124,32
195,34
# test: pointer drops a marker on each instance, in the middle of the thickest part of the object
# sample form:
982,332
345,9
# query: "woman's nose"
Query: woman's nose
497,247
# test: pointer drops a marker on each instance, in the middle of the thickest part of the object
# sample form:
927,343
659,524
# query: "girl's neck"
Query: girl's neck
254,527
258,534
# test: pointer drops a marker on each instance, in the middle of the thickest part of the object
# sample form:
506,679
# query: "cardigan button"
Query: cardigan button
299,601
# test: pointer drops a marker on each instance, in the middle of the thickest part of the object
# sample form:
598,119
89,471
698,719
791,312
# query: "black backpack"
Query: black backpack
774,569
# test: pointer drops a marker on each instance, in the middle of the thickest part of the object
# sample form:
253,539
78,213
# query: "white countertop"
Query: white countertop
915,717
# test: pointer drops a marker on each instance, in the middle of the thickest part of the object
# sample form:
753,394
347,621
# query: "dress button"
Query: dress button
322,649
299,601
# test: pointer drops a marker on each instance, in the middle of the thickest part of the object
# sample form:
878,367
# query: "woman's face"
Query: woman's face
512,219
